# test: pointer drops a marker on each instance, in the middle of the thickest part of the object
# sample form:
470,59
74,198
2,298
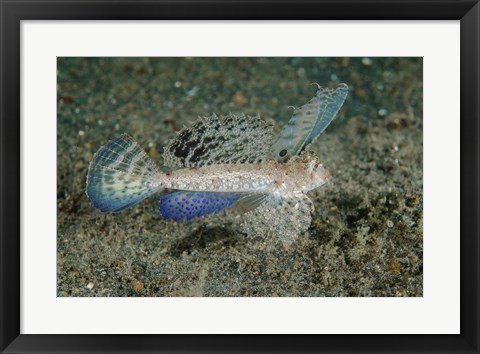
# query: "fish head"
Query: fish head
318,175
315,174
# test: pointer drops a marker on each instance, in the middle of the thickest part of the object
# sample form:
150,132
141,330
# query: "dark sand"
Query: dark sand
366,238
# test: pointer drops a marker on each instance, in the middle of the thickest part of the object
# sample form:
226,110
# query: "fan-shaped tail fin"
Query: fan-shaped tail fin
120,175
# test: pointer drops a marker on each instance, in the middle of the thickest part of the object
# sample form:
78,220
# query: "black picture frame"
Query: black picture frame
14,11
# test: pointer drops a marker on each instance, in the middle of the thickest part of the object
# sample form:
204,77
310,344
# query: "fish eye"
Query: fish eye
283,153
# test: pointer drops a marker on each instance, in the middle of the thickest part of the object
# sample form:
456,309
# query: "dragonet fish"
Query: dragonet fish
226,162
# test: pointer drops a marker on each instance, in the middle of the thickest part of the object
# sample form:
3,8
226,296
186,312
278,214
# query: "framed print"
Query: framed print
239,177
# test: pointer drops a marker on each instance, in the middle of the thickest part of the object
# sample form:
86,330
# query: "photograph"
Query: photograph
239,177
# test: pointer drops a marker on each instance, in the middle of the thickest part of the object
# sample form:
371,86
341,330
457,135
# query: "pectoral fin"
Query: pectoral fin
282,218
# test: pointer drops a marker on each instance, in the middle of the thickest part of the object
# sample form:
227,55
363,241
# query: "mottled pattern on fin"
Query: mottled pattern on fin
188,205
308,122
216,140
120,175
283,218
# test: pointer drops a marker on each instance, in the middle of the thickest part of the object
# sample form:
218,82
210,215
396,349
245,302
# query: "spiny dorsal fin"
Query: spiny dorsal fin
308,122
213,140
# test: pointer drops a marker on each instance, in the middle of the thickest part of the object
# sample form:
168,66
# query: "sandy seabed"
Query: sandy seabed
366,237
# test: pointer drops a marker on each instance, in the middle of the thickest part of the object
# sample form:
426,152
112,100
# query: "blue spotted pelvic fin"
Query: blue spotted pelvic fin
220,140
187,205
308,122
120,175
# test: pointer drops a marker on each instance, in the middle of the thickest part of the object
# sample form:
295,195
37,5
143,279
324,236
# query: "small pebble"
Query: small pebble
68,99
153,152
360,92
390,223
81,133
367,61
239,99
382,112
90,285
193,91
138,286
177,84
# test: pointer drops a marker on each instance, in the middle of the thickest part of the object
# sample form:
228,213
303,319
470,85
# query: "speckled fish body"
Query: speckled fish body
267,177
224,162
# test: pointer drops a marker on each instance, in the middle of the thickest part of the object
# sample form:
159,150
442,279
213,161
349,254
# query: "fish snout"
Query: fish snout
321,174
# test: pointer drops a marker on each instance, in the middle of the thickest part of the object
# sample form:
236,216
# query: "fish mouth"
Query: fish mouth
322,174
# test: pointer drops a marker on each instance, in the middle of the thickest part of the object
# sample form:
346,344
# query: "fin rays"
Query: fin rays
120,175
216,140
308,122
285,218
